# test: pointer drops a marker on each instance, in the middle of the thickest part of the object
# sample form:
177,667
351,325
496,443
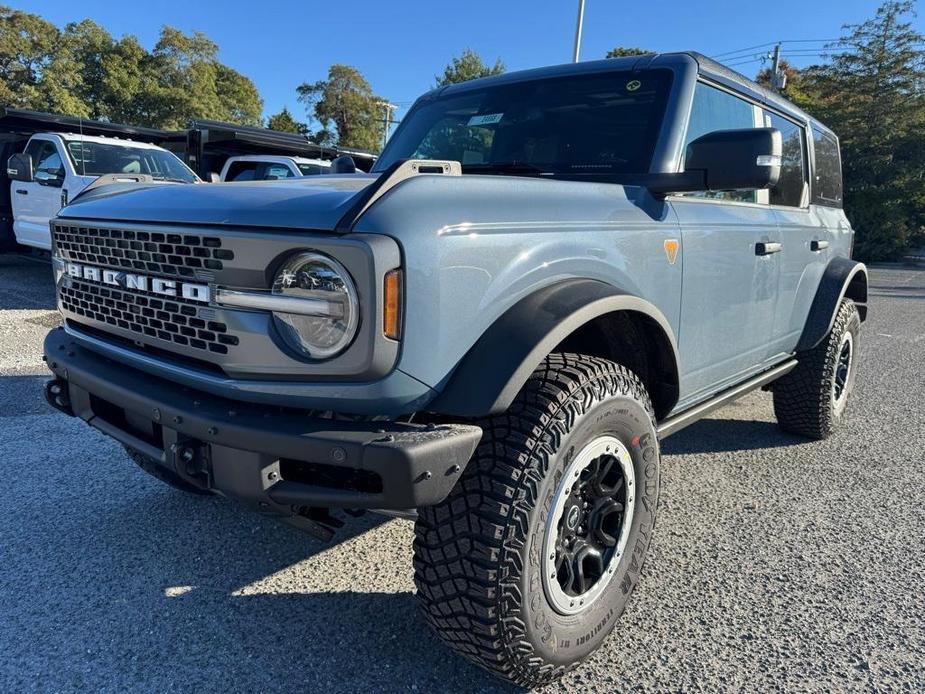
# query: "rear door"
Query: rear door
36,202
804,243
730,269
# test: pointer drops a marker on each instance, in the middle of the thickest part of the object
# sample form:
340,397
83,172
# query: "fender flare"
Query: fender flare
493,371
842,278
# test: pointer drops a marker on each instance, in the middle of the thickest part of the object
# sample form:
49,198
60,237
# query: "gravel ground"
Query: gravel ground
777,564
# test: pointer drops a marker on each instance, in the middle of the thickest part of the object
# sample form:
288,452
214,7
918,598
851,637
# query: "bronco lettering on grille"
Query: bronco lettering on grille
155,285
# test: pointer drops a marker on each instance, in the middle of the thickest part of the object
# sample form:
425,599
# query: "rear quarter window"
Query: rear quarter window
827,183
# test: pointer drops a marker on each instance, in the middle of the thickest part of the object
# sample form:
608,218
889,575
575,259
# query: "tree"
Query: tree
84,71
187,81
872,94
624,51
37,68
468,65
797,89
345,100
285,122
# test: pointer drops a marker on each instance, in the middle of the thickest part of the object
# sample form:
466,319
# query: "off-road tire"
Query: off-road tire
477,567
803,402
163,474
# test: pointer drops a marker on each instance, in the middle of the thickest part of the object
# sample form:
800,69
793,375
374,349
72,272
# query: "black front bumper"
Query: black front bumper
282,461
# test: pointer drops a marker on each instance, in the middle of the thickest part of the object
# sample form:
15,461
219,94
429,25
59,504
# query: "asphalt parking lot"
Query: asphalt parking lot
776,564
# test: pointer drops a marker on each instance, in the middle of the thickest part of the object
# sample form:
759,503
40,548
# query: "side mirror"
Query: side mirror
214,177
19,168
747,159
343,164
737,159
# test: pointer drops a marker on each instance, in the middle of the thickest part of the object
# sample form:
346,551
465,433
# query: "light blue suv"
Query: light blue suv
546,273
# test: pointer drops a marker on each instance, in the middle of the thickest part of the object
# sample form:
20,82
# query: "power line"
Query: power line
731,54
743,50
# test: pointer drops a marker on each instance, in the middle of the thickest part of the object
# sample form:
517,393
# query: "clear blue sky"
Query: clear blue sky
399,45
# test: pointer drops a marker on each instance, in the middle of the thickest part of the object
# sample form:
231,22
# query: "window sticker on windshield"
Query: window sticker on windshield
485,119
633,85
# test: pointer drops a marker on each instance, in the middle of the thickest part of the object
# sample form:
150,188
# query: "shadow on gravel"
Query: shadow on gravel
25,283
22,395
191,596
727,435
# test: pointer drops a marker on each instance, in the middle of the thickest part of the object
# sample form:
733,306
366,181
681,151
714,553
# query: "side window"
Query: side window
713,109
241,171
791,186
276,171
47,164
827,185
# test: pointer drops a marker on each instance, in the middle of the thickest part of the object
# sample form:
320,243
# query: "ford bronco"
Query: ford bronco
545,273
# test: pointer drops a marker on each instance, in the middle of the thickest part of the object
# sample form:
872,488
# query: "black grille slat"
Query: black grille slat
171,321
166,254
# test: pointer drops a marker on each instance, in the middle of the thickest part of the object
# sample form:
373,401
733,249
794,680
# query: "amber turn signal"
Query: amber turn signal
391,319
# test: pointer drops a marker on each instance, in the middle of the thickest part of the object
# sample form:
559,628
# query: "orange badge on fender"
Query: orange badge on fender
671,250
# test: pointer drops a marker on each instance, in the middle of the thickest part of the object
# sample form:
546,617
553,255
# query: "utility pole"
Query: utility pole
387,121
778,78
581,19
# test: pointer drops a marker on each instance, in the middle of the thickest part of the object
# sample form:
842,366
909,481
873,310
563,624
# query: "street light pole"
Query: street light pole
581,19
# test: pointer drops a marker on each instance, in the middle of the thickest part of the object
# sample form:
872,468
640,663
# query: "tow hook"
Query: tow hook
57,395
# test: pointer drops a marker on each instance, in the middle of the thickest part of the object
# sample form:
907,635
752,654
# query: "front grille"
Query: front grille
172,320
178,255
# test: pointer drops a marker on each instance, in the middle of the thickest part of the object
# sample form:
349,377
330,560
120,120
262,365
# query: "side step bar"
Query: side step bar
673,424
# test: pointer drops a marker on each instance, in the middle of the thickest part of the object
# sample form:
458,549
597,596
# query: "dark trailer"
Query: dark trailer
209,143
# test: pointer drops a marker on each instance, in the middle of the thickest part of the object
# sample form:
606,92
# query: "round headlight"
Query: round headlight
324,323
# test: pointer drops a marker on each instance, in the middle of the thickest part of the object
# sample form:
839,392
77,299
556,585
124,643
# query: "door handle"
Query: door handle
817,245
22,191
768,247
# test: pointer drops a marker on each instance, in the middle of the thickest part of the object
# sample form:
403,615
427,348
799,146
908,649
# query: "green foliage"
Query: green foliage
83,71
345,100
624,51
285,122
468,65
872,94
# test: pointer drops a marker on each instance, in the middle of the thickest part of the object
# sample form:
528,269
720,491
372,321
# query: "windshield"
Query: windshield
97,158
314,169
572,126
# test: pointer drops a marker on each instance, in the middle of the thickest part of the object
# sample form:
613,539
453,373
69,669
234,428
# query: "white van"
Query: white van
264,167
63,164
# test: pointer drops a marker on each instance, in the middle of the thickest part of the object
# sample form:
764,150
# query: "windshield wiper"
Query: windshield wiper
174,179
506,167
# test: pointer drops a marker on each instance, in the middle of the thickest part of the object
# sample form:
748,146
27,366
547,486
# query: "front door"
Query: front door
36,202
730,243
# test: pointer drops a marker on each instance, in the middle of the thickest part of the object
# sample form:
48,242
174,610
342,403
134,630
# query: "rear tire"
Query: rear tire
811,400
529,562
163,474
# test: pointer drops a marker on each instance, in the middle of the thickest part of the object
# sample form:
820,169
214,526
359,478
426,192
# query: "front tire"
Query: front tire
811,399
526,566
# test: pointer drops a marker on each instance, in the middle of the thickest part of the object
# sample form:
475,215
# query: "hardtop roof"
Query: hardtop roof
705,66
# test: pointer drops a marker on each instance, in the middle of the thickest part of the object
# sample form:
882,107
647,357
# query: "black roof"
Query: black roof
243,139
25,122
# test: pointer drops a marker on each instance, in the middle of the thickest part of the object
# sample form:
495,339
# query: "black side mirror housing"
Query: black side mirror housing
19,168
747,159
343,164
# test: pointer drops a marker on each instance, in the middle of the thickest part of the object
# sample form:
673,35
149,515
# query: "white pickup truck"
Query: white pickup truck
264,167
64,164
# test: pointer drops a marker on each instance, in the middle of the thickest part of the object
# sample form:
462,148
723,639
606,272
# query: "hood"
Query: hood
311,203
